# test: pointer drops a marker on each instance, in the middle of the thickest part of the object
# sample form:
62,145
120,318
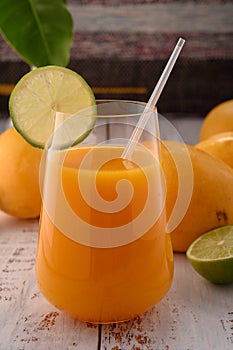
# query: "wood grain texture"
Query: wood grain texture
27,320
195,314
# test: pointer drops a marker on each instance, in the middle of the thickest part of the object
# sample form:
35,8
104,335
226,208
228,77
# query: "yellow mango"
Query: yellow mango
219,119
211,185
19,180
219,145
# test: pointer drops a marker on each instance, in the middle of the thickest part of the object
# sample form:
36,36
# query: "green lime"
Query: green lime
211,255
43,91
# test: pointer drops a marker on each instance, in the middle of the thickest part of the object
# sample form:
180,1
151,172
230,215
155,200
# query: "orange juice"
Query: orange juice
115,261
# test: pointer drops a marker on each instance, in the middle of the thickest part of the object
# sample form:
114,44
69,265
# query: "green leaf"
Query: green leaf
41,31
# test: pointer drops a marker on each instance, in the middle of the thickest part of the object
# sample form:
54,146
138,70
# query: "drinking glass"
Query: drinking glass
103,253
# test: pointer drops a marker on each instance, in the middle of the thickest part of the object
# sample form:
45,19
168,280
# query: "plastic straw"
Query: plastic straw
152,101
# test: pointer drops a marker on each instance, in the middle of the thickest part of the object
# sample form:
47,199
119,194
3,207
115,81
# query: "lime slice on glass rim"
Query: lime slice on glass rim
211,255
43,91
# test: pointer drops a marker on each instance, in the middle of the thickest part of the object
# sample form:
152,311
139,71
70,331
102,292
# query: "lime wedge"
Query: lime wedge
40,93
211,255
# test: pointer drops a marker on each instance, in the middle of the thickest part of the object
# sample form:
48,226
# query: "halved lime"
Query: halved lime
42,92
211,255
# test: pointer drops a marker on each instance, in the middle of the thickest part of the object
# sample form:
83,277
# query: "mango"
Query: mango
219,145
19,180
209,188
218,119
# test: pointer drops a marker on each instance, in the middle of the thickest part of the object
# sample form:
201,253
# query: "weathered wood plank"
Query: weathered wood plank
194,315
27,320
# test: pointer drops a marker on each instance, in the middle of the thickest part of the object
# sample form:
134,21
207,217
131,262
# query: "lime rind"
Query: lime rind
40,92
219,272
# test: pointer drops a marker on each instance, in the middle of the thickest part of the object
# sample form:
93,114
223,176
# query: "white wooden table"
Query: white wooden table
195,314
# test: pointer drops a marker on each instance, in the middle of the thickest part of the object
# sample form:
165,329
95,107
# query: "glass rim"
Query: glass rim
123,115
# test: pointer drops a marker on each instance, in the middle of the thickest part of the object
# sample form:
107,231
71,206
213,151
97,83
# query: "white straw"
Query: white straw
152,101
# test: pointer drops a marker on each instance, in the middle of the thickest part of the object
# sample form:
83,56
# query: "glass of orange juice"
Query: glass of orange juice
103,254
